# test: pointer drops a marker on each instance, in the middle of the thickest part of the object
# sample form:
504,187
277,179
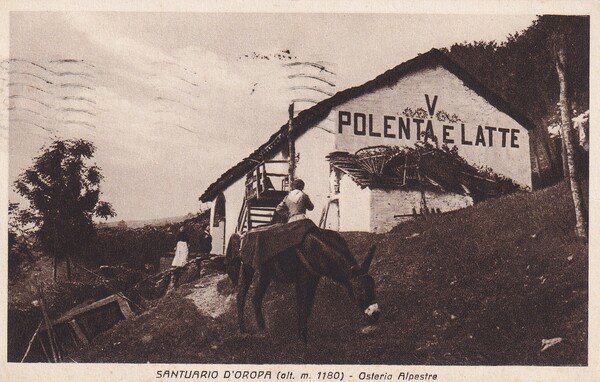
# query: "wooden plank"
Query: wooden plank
41,342
263,208
81,337
76,312
254,221
263,214
248,219
51,340
275,174
31,341
251,194
241,217
259,186
125,308
322,218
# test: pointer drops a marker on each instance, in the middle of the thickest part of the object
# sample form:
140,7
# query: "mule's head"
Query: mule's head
361,287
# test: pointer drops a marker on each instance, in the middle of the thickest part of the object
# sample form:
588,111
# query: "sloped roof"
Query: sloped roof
422,168
310,117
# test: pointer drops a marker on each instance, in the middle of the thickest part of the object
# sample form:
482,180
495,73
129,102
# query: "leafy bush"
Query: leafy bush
143,247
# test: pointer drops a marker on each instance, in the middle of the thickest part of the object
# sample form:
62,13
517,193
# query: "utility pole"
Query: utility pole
291,147
566,123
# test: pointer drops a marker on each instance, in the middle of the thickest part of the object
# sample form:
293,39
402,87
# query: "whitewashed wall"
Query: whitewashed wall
355,206
447,201
385,204
453,98
313,167
217,233
234,196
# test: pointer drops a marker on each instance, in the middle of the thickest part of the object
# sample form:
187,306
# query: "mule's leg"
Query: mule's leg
311,290
301,301
306,287
261,289
246,274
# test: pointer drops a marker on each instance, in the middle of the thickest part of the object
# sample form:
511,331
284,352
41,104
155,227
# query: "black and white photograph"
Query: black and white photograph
297,188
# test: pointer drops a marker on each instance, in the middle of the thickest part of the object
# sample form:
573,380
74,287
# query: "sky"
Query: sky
172,100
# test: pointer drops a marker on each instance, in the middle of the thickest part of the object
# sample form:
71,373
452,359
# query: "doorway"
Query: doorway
218,225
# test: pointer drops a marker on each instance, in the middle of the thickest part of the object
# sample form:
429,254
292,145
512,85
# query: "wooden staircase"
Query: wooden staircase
254,216
262,196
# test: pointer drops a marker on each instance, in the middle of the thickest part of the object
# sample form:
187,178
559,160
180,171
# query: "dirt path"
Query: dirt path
207,298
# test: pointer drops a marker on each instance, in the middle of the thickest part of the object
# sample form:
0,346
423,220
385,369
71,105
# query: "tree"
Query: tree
522,70
63,191
566,127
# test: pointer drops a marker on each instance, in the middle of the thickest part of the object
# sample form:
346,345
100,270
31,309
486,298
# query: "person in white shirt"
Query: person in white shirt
296,202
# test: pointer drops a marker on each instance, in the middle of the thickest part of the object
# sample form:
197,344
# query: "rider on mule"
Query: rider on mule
299,253
296,203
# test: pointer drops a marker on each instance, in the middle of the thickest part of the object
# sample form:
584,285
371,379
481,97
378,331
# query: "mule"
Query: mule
322,253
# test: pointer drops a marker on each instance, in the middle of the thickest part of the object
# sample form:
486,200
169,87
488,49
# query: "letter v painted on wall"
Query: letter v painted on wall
431,105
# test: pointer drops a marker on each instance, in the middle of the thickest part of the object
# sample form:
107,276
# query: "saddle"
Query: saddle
261,244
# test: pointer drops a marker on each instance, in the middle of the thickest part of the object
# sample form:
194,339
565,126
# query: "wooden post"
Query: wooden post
259,188
248,215
48,322
424,209
79,335
291,147
124,306
31,341
41,342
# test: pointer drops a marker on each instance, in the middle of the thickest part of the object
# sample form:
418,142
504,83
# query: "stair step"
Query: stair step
260,214
268,221
263,208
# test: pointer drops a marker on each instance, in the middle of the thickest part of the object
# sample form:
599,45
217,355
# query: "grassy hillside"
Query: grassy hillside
483,285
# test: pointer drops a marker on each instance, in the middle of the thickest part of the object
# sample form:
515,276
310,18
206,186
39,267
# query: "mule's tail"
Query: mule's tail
232,258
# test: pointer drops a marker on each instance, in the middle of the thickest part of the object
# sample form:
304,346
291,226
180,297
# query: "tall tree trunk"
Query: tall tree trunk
564,155
565,113
550,151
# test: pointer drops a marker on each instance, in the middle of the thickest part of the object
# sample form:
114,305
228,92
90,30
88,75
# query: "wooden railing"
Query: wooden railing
263,186
260,180
242,217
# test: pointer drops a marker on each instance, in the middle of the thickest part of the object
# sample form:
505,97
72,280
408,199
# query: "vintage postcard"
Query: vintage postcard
270,192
